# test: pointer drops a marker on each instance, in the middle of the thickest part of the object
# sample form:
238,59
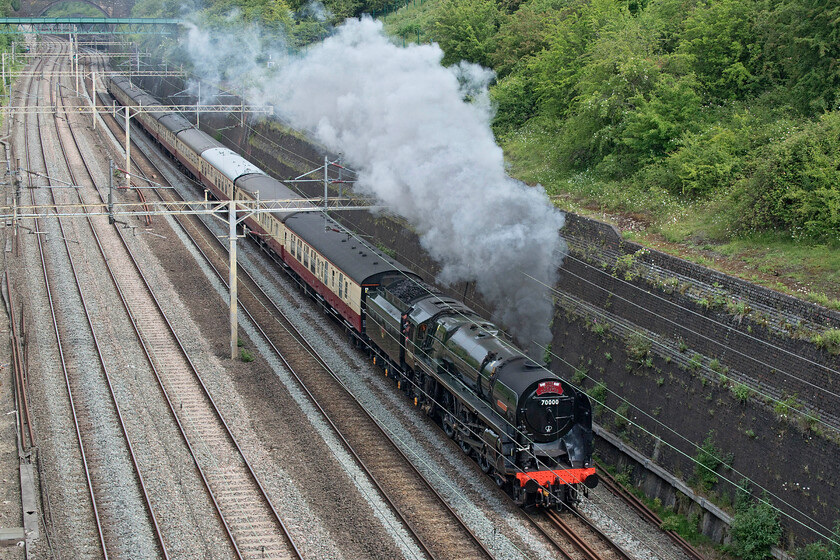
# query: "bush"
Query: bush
794,183
829,341
704,162
741,392
516,102
754,531
638,346
784,407
708,459
622,413
598,393
815,551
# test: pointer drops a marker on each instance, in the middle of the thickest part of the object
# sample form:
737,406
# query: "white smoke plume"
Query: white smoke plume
401,120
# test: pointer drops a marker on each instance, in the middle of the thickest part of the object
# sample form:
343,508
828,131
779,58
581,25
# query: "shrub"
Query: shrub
601,328
579,376
741,392
816,551
245,355
793,184
598,393
754,531
705,161
783,408
670,523
622,414
708,459
696,362
829,341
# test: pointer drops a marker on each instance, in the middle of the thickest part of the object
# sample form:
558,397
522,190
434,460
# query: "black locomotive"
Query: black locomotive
526,427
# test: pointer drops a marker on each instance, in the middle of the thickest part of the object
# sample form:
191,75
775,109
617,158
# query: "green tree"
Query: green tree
720,38
661,118
557,70
466,29
801,43
705,161
633,102
515,100
274,14
524,33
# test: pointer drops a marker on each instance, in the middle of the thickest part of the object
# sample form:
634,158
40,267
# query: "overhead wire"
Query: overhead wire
614,411
728,348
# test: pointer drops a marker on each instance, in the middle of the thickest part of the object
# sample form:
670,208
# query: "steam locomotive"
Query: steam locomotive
528,429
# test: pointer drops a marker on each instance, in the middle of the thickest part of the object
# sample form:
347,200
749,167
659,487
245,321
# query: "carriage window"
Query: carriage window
341,286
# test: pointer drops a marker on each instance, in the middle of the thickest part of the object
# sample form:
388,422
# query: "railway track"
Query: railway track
585,537
246,514
250,518
647,514
436,527
94,411
304,361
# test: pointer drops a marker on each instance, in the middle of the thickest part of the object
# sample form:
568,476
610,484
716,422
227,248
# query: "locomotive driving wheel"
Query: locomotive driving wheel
448,421
484,463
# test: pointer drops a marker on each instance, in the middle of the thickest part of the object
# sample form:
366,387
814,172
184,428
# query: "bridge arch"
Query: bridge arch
111,8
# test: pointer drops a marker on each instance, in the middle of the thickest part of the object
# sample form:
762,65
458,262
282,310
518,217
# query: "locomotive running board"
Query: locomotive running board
463,393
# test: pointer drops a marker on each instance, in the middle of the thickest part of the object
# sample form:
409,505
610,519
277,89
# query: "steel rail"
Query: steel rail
215,407
302,341
57,333
558,520
536,525
157,374
570,534
123,427
97,345
646,513
22,407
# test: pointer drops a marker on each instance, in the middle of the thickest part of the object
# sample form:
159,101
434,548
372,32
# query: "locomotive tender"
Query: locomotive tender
528,429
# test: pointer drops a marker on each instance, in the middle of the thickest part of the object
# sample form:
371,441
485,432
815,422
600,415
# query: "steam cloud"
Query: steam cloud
401,121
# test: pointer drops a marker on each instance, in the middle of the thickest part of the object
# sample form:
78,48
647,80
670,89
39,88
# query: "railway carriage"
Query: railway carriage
169,125
527,428
189,144
334,265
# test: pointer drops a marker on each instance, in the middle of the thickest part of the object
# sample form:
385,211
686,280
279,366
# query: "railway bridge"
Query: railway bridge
110,8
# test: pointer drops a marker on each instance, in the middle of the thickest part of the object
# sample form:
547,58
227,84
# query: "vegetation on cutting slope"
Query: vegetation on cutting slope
732,101
713,121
